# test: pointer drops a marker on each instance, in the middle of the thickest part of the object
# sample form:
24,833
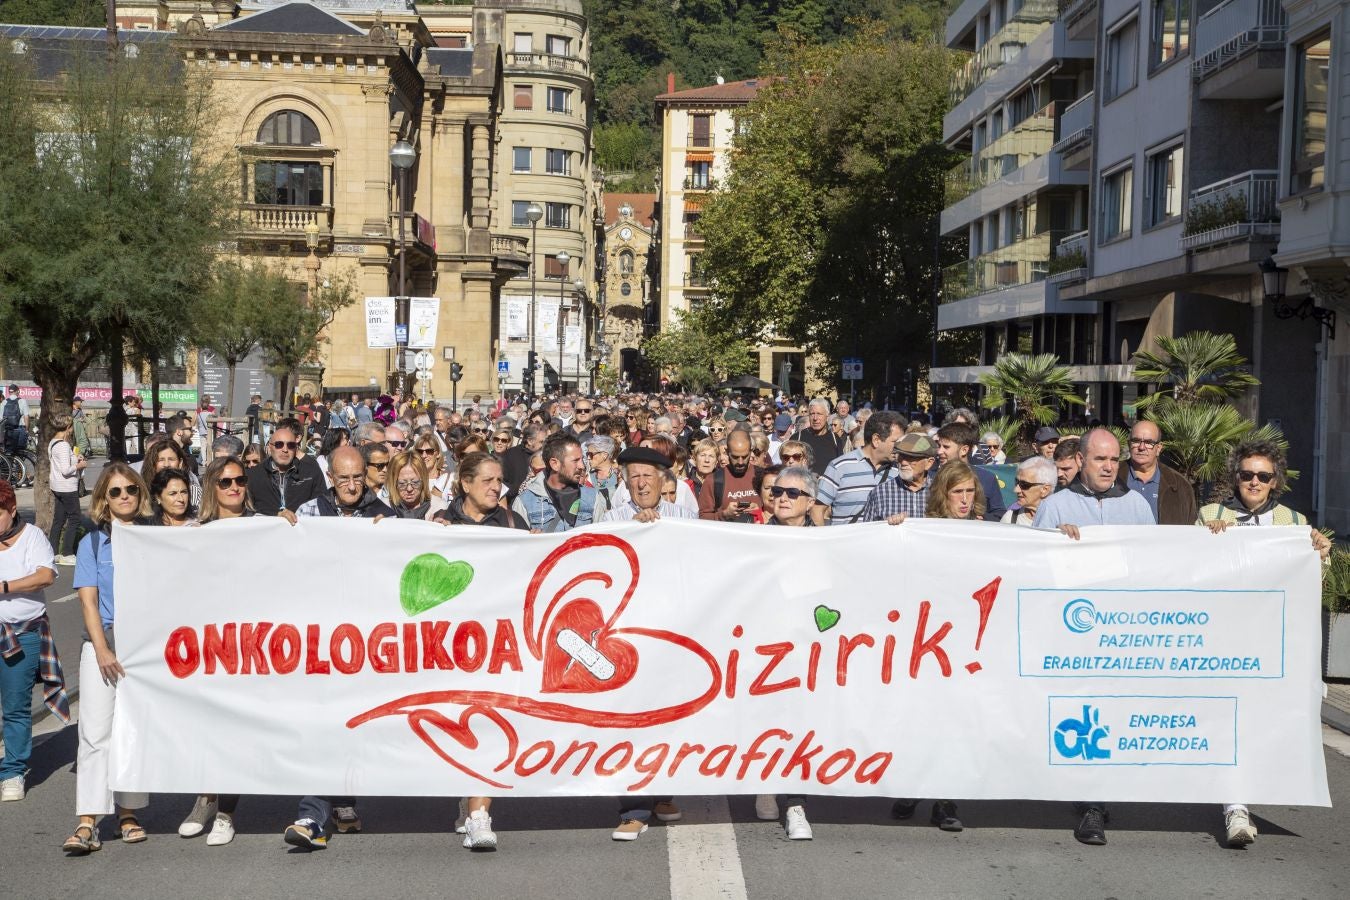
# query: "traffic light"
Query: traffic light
456,371
532,360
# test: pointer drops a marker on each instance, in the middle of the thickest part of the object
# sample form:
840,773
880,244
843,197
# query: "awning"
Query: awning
693,204
699,156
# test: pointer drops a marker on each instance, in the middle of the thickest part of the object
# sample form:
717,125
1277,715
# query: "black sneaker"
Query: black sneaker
1092,828
944,816
904,809
306,834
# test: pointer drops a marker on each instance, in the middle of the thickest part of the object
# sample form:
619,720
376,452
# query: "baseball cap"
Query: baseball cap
782,422
1047,433
916,446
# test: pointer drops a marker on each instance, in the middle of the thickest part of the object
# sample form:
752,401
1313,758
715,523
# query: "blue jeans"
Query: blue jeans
320,809
18,674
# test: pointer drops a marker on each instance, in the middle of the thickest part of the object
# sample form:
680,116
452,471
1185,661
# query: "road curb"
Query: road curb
1336,717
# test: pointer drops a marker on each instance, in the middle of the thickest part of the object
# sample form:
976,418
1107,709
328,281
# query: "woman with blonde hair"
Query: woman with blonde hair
411,494
955,493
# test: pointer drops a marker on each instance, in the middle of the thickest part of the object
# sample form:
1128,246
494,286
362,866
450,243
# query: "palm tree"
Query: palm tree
1035,385
1199,367
1199,436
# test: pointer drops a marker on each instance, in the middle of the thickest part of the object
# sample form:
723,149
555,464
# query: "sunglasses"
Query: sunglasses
582,409
428,451
502,439
791,492
378,467
716,430
133,490
794,457
250,463
237,481
285,445
1028,485
480,431
1263,477
397,445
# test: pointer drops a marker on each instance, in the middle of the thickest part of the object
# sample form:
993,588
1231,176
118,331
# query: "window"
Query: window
288,127
559,45
700,175
524,94
1162,191
1307,167
1117,188
553,268
559,100
558,215
626,262
1122,53
518,214
288,183
558,162
701,125
1171,30
523,43
520,159
452,41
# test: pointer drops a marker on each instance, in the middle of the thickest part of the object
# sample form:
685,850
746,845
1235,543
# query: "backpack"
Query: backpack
12,415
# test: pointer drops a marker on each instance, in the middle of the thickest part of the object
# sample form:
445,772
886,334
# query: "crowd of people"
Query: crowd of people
551,466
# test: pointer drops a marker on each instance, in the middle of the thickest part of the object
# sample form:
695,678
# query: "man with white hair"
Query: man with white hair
825,444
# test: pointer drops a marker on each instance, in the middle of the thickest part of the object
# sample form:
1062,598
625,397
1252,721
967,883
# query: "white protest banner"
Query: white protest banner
380,317
546,324
932,659
572,339
517,319
423,315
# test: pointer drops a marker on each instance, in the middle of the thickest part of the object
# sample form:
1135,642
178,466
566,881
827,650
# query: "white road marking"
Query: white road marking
704,860
63,599
1336,740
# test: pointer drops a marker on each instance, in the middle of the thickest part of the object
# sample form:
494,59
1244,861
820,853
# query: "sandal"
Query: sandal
131,830
76,845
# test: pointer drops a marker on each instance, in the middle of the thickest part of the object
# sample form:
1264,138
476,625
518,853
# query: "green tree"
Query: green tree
697,353
826,230
1198,367
290,326
231,313
113,199
1036,386
79,13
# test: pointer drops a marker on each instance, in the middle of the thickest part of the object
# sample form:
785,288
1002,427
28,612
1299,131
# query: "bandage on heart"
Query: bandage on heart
574,665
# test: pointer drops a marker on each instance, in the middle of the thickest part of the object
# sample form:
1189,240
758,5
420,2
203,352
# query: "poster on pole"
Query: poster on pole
517,319
1156,664
380,315
546,325
423,315
572,339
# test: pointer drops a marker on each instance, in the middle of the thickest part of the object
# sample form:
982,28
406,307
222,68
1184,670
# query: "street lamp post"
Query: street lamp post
563,260
402,156
312,261
534,212
579,292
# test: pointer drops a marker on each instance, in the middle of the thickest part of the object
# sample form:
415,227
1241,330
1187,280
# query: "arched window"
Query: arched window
288,127
626,262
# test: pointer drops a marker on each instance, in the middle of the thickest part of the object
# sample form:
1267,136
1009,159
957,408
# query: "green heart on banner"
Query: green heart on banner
826,618
429,580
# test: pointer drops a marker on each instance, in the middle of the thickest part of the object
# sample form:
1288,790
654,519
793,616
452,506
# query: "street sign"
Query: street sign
853,368
400,333
503,367
423,375
424,360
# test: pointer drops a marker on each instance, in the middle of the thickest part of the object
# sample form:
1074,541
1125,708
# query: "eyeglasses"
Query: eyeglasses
348,479
285,445
237,481
791,492
716,430
630,418
480,430
408,485
251,462
794,457
502,439
428,451
1263,477
583,409
1028,485
1143,442
133,490
378,467
397,445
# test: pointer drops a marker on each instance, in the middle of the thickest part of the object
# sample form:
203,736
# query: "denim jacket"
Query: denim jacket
535,506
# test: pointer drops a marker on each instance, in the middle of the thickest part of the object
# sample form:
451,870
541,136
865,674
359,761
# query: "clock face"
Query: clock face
626,233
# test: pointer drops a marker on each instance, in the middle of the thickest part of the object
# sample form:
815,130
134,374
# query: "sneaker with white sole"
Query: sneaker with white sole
766,807
666,811
478,834
463,818
306,834
67,560
629,829
222,831
798,829
1241,831
12,788
203,811
346,820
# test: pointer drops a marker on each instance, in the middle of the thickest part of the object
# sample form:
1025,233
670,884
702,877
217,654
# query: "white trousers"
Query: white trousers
93,795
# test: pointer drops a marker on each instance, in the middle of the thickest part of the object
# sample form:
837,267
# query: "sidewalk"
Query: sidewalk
1336,707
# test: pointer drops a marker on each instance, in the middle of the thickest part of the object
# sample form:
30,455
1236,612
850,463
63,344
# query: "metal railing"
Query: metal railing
283,219
1236,208
1003,46
699,184
692,232
1231,30
1073,243
554,62
1022,262
1012,150
695,280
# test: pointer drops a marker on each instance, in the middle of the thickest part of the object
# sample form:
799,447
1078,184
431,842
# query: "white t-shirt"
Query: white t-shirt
29,552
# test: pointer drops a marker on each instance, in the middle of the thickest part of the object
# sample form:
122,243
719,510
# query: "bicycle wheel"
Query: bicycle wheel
7,469
28,467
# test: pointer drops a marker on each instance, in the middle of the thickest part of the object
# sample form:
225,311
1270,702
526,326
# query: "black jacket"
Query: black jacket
299,484
515,469
498,518
368,507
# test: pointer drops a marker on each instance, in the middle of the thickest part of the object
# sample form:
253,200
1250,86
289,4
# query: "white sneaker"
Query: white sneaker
65,560
1241,831
463,815
798,829
202,812
222,831
12,788
629,829
478,831
766,807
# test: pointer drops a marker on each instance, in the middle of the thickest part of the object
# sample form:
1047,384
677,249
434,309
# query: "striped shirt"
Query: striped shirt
848,482
893,498
666,510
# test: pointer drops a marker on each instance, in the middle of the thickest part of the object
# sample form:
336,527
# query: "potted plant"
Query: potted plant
1336,615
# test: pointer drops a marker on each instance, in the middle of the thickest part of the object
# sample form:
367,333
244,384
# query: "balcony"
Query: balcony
286,221
1075,125
699,185
510,247
1004,46
551,62
1241,208
692,232
1012,150
1234,31
1022,262
695,280
1078,18
1069,264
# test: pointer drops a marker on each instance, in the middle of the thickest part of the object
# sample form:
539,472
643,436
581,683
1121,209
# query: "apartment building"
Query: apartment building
698,128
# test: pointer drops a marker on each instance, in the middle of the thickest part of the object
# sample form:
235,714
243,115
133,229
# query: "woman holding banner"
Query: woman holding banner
120,499
1256,479
411,496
